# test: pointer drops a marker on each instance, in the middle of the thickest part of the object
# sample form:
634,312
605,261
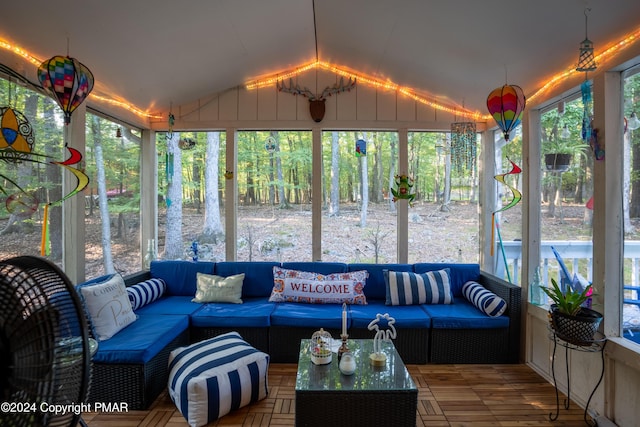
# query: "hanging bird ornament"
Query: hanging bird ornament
66,80
506,105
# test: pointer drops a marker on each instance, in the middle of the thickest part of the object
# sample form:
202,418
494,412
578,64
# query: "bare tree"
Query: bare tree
107,259
173,245
212,230
365,190
334,204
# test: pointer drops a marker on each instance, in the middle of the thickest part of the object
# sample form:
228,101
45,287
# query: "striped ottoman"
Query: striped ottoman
209,379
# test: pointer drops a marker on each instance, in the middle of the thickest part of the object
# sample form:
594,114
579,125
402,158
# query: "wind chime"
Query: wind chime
586,63
463,147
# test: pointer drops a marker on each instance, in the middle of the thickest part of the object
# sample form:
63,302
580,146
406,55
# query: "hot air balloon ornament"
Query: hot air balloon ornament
506,105
66,80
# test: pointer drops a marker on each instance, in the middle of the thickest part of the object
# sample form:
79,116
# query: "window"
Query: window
631,208
274,196
191,181
359,222
112,198
567,188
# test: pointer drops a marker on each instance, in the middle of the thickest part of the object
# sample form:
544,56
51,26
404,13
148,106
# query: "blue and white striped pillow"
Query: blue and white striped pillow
146,292
408,288
485,300
209,379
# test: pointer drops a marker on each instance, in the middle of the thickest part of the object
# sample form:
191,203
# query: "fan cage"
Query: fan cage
44,344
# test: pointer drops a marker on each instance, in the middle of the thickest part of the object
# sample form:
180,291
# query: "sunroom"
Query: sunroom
402,89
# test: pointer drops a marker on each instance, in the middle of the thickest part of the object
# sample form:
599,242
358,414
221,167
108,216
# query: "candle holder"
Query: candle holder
343,347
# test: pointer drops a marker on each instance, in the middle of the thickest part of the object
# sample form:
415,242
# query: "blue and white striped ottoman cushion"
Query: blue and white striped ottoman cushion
145,292
209,379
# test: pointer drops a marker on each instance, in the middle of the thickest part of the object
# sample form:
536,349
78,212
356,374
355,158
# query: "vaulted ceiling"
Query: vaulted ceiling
155,53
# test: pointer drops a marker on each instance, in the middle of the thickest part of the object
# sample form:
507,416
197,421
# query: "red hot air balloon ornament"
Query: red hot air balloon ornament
506,105
67,80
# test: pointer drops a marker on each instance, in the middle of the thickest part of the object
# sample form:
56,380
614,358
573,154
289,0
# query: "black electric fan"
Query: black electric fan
44,345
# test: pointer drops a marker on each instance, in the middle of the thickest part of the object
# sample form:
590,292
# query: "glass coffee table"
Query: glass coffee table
372,396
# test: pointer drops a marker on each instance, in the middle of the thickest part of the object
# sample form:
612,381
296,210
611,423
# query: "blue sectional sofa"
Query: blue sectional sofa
132,365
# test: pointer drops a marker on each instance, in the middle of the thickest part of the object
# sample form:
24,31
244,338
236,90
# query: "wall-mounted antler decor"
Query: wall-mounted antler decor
317,102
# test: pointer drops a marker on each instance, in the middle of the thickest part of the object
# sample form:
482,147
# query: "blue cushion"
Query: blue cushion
254,312
462,315
171,305
146,292
408,288
258,276
180,276
142,340
459,273
327,316
317,266
485,300
411,316
376,287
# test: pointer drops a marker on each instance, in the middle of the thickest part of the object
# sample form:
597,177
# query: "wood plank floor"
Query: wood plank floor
448,395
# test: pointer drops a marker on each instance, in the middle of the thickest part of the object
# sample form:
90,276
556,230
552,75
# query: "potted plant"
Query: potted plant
558,153
569,318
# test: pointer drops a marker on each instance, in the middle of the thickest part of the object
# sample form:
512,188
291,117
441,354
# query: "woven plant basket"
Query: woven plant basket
579,329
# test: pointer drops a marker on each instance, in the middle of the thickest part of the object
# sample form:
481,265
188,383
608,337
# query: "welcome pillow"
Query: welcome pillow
309,287
408,288
108,306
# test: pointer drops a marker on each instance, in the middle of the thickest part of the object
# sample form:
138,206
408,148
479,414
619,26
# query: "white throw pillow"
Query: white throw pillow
109,306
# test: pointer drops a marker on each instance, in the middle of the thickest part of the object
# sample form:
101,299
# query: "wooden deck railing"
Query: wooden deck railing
577,256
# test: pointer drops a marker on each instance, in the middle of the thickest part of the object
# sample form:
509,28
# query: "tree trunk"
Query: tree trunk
634,208
376,184
107,259
282,199
446,198
364,179
212,230
392,173
626,184
53,147
334,204
173,245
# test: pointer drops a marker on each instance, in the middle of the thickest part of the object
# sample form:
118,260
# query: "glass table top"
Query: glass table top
392,376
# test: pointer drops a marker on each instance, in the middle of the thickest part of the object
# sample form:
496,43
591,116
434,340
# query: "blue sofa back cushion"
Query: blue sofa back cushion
376,287
316,267
180,276
258,276
458,273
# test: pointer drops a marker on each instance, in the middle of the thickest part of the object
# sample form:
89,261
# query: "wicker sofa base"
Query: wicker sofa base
257,337
136,384
284,342
412,344
470,346
391,408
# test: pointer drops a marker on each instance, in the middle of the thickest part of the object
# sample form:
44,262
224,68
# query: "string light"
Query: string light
362,78
369,81
36,61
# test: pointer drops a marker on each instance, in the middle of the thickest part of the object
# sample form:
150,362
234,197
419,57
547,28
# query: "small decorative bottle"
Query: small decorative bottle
151,253
535,288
